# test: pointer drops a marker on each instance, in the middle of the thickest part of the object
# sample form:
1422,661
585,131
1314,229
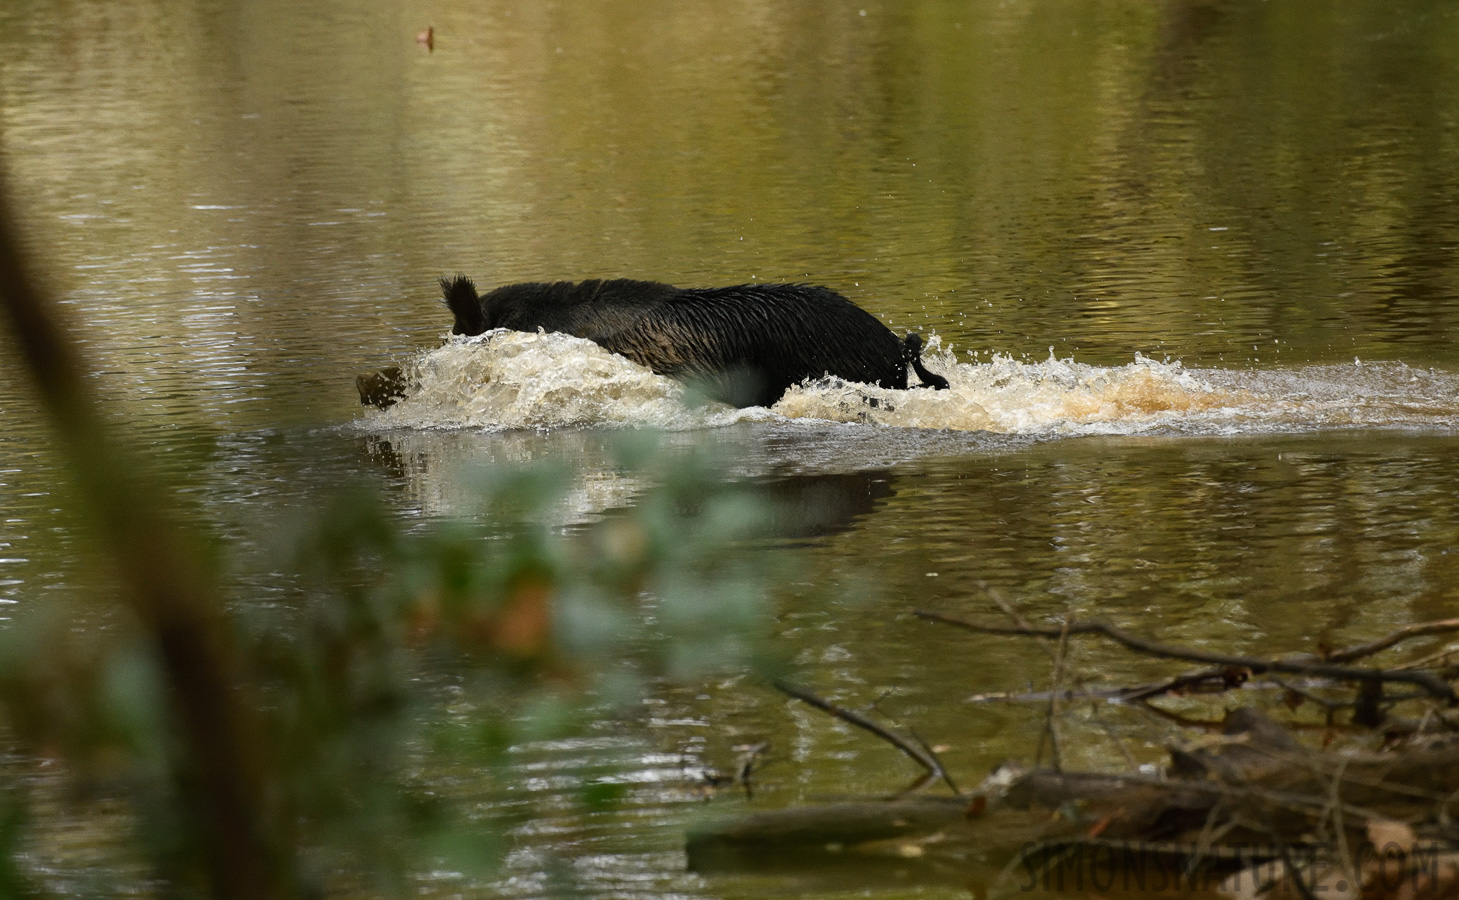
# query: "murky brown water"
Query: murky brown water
1194,268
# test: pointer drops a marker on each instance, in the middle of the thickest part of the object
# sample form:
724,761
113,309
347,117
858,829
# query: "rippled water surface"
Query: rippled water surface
1191,267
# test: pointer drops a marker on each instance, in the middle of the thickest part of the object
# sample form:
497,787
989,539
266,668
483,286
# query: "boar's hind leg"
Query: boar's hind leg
912,352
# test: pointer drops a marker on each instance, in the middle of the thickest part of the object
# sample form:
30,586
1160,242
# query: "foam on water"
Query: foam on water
510,380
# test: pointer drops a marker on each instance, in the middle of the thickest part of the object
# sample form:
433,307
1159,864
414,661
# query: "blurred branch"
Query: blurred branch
173,595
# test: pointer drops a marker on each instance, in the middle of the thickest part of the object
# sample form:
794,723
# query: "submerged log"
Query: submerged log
829,828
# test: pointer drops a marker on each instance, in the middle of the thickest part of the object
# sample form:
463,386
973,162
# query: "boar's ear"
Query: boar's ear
461,299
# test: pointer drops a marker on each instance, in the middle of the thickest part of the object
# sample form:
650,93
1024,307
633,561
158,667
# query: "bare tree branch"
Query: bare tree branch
1419,629
923,756
1430,682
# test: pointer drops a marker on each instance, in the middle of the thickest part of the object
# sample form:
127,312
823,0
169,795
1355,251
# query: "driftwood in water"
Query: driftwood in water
1259,785
1254,801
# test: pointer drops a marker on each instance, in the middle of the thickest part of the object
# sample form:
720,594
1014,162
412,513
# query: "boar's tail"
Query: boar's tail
912,353
461,299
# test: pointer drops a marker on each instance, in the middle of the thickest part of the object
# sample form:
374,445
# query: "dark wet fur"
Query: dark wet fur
744,345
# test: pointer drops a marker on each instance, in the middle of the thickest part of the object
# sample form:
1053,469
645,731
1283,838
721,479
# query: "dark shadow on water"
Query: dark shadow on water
813,506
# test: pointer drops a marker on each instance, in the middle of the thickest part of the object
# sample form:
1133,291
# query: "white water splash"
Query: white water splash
512,380
1012,397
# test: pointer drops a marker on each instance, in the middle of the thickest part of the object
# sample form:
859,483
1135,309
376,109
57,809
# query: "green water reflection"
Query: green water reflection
243,203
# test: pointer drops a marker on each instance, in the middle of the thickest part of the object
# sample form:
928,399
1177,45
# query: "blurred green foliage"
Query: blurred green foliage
406,655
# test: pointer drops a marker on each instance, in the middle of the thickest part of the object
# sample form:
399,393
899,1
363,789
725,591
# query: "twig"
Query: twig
1051,725
1294,873
1012,612
1419,629
1329,706
1118,741
1177,718
1227,678
932,754
923,758
1218,681
1210,833
748,766
1430,659
1338,831
1316,807
1259,666
1009,609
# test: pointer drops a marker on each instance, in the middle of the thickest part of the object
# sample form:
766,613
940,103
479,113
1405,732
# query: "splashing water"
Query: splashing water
510,380
507,379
